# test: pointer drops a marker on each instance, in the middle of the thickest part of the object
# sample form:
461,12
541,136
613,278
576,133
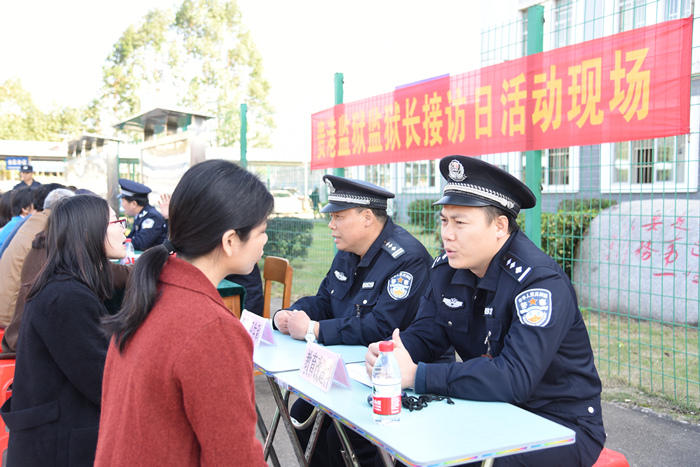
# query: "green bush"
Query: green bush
289,237
562,231
424,214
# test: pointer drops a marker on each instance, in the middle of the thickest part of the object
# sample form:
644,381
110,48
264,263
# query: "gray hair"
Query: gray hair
56,195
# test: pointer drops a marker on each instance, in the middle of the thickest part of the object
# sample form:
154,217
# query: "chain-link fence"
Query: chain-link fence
622,219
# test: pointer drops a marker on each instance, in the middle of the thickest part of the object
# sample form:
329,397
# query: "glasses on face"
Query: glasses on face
121,222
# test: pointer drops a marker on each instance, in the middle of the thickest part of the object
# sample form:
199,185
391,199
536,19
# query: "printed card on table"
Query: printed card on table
322,368
259,328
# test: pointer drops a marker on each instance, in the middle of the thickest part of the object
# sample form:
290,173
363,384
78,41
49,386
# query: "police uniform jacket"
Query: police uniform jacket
35,185
524,314
149,229
363,301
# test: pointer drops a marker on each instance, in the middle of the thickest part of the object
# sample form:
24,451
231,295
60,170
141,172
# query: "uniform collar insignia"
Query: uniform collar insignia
340,276
452,302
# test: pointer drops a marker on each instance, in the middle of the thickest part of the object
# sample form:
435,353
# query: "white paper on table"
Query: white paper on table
358,372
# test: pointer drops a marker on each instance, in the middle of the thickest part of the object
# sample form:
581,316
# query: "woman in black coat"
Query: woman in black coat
54,412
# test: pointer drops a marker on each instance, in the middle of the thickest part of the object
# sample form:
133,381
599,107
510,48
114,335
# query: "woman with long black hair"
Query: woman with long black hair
54,412
178,384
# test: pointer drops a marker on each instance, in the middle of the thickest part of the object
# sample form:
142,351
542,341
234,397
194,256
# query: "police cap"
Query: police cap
132,189
473,182
346,193
26,168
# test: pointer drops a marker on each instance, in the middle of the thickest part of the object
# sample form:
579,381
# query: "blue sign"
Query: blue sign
14,163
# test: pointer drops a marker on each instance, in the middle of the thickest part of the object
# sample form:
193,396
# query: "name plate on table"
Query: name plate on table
259,328
322,368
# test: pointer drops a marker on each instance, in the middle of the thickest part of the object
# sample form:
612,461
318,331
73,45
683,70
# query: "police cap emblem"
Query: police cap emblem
331,188
399,285
534,307
457,171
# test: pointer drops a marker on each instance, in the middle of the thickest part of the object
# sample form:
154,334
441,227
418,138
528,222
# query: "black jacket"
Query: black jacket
54,412
363,301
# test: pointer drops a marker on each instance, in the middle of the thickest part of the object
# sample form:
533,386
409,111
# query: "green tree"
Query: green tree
21,119
198,56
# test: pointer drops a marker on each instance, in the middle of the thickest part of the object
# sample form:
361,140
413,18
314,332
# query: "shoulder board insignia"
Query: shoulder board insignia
393,248
515,266
440,260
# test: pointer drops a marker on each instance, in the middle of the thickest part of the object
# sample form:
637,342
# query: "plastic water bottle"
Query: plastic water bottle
130,254
386,386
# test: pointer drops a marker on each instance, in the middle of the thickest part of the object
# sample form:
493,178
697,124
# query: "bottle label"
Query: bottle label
386,399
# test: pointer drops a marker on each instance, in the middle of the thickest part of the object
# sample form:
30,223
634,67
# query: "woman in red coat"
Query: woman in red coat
178,382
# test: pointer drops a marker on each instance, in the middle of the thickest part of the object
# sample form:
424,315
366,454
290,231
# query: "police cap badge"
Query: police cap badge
473,182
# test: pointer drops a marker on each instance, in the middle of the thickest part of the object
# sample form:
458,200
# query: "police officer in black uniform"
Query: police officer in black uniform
374,284
149,226
510,312
26,173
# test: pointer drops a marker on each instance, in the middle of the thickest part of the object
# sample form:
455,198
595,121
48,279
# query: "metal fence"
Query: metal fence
623,219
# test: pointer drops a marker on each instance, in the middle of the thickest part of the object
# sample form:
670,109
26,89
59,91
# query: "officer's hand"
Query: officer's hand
406,365
281,320
297,324
371,357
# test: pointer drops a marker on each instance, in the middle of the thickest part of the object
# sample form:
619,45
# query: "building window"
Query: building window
420,174
650,161
562,14
380,175
676,9
558,170
632,14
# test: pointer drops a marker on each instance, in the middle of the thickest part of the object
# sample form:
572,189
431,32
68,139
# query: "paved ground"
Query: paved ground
645,438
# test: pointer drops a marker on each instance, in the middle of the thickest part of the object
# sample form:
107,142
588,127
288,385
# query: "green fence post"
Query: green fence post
533,159
339,171
244,132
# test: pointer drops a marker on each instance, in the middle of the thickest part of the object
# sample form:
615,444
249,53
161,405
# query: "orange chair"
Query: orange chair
7,375
277,269
610,458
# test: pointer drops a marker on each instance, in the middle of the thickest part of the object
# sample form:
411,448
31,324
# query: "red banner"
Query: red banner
629,86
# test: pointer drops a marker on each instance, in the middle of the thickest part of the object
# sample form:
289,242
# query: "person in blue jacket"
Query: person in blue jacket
373,286
510,312
149,226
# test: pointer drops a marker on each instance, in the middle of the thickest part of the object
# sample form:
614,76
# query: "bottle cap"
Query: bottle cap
386,346
128,240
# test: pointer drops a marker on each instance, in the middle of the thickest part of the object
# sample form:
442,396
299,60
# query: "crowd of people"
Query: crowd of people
130,365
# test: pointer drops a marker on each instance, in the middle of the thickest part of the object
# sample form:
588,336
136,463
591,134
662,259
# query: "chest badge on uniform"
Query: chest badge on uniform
340,276
400,285
147,223
368,285
534,307
452,302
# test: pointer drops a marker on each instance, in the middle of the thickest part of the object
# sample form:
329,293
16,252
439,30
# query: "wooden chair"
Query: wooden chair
277,269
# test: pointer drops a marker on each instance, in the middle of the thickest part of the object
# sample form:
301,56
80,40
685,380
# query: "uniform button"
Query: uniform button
332,290
591,410
449,323
364,302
